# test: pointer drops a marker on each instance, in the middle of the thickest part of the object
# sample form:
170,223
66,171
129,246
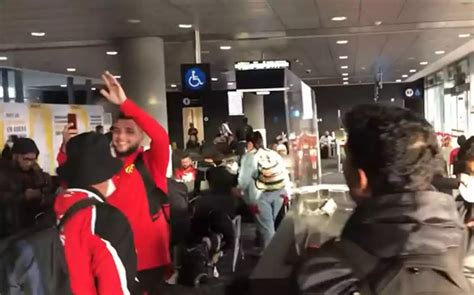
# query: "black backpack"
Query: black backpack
411,275
33,263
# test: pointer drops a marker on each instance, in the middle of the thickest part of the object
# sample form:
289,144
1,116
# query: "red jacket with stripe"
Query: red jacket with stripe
98,246
152,238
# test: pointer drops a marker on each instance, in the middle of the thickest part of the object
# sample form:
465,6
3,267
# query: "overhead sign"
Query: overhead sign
195,77
261,65
413,92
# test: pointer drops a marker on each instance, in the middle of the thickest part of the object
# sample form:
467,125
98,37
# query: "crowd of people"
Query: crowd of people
126,227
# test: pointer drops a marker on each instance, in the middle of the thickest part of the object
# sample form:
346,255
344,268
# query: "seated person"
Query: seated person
187,172
192,143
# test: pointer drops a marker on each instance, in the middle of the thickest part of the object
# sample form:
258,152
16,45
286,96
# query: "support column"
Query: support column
6,96
70,90
19,94
88,91
143,75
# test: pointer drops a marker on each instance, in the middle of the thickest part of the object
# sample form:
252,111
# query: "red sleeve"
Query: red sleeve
61,157
157,157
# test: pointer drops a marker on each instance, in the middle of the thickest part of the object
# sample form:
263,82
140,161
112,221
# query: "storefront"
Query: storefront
448,98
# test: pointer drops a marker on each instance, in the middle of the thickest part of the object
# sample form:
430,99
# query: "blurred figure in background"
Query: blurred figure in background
192,131
99,129
187,171
193,143
454,153
7,149
325,143
25,189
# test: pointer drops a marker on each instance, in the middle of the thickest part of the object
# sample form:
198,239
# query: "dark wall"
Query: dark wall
275,115
333,98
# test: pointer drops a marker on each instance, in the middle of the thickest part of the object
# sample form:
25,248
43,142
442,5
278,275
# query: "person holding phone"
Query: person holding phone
150,229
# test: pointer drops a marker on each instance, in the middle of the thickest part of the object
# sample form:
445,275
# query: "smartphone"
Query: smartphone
72,121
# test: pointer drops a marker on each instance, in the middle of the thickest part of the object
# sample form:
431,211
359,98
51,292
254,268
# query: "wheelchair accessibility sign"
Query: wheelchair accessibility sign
195,79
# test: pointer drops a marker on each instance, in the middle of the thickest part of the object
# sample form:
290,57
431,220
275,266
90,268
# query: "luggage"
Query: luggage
33,262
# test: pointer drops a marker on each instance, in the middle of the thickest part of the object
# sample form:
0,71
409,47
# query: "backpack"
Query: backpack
33,263
272,173
196,267
410,275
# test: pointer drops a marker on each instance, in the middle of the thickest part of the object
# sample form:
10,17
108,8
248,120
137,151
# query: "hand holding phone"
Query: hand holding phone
72,121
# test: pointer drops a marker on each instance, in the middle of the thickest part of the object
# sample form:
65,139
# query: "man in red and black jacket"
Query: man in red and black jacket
151,233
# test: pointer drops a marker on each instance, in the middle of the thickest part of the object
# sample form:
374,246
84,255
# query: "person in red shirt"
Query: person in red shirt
187,172
97,239
151,233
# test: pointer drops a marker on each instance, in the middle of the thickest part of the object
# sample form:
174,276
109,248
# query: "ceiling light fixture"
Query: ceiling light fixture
225,47
38,34
344,67
345,74
398,80
63,85
404,76
392,99
378,22
412,71
3,58
133,21
345,78
173,86
263,92
343,57
230,83
185,26
467,35
214,79
118,77
71,70
342,42
112,52
439,52
345,83
338,18
93,89
423,63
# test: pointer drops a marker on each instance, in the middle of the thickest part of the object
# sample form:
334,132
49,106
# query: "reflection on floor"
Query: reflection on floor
235,283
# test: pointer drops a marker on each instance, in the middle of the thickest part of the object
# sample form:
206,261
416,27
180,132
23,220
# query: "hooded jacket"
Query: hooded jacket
418,223
98,246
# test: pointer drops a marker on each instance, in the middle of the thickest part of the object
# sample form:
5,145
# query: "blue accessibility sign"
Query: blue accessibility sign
195,78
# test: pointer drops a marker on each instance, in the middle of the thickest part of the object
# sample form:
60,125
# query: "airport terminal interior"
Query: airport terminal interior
236,147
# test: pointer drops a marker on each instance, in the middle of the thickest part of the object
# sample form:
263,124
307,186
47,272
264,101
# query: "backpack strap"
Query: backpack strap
78,206
155,196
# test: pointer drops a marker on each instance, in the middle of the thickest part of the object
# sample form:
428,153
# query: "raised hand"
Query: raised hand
114,92
68,133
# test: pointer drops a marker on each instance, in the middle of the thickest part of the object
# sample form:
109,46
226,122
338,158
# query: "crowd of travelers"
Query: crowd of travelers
114,221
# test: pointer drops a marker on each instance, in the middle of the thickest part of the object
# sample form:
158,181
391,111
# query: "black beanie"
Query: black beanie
24,146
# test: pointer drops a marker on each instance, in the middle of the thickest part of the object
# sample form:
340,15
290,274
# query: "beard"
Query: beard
126,153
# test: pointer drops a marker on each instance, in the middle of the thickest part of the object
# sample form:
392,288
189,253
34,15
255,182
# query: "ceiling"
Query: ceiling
79,33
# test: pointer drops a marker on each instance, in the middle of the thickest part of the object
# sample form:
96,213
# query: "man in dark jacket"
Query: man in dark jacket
392,155
25,190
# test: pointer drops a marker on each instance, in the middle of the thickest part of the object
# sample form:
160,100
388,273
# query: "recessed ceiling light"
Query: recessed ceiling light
345,74
3,58
423,63
118,77
464,35
93,89
230,83
185,26
38,34
133,21
362,68
342,41
345,78
173,86
343,57
63,85
404,76
439,52
112,52
392,99
338,18
412,71
398,80
345,83
344,67
214,79
71,70
378,22
225,47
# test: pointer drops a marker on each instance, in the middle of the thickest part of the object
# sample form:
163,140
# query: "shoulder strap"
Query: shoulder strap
156,198
78,206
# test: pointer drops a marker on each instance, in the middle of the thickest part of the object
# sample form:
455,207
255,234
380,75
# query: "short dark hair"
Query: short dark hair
461,140
184,156
395,147
256,139
122,116
99,127
245,120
